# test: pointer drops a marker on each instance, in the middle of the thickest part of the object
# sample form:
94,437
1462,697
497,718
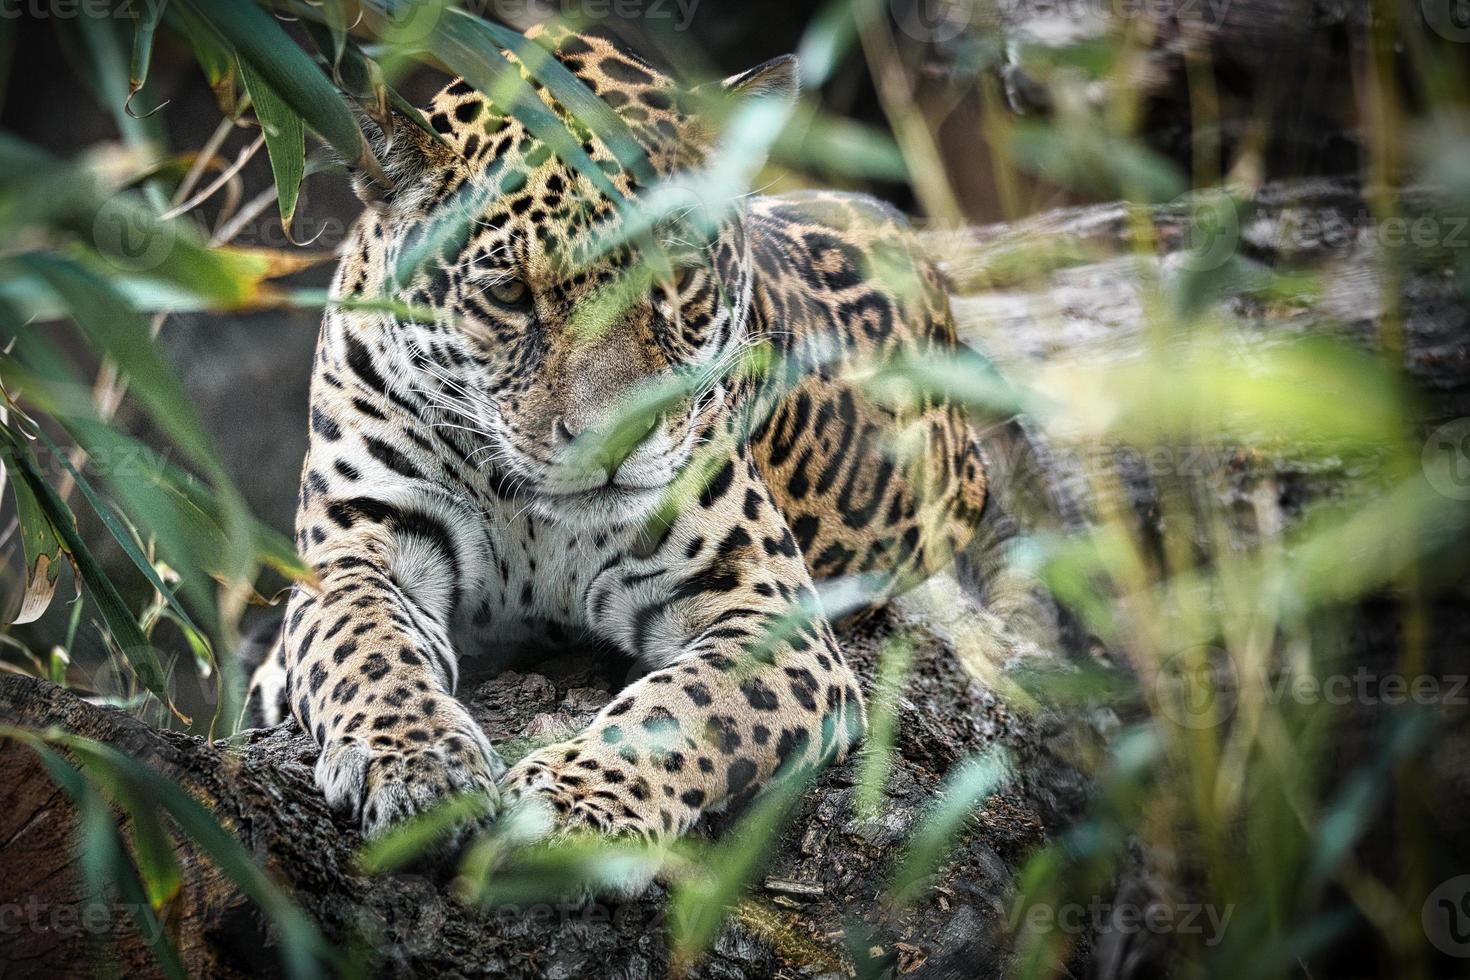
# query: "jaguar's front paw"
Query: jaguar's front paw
563,792
393,775
576,790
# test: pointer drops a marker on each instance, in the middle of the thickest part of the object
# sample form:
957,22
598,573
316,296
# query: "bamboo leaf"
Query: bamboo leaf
102,58
883,711
469,48
165,501
335,16
153,848
699,906
261,43
505,868
116,331
302,947
415,836
574,95
119,533
148,12
211,51
285,141
359,76
124,236
363,78
120,622
104,859
41,546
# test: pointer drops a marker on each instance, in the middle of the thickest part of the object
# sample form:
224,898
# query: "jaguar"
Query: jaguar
655,429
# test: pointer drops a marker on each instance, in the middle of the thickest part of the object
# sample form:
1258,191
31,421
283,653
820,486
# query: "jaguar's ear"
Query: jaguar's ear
775,79
407,156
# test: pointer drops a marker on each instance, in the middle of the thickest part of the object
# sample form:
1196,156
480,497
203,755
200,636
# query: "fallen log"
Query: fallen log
826,873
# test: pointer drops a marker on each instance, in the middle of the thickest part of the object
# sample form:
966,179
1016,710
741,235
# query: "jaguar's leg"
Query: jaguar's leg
749,676
369,665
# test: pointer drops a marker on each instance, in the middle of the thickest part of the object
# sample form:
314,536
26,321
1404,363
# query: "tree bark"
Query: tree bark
827,871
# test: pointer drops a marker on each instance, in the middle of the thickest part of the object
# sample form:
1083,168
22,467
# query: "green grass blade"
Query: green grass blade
363,77
418,834
116,331
504,869
467,46
883,708
335,17
975,780
157,864
101,56
211,51
575,96
699,906
119,533
123,335
118,234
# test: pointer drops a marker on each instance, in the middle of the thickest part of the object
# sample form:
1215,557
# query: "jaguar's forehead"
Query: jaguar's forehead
648,100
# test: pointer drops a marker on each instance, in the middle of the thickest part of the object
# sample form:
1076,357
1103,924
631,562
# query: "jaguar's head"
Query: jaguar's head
579,344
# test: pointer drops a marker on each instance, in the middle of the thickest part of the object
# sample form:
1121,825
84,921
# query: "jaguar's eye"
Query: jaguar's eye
510,292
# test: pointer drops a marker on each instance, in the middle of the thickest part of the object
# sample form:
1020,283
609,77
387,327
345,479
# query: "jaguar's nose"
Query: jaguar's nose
604,447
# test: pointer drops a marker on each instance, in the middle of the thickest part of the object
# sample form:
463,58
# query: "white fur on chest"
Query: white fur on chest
535,586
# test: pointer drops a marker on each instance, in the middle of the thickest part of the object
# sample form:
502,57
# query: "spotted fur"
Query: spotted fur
460,496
